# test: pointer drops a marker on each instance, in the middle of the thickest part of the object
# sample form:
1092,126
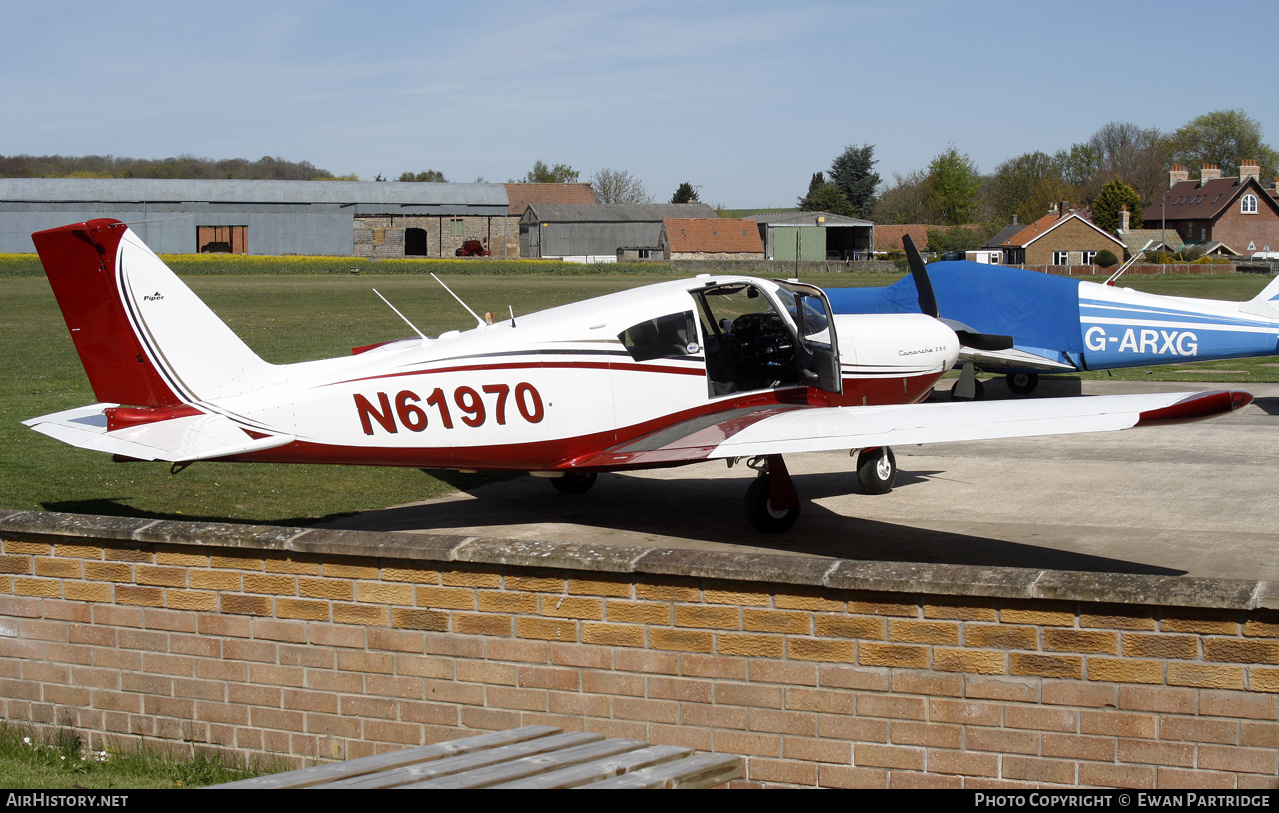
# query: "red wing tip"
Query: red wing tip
1197,407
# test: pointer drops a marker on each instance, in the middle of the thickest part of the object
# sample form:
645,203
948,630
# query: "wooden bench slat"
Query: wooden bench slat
600,769
323,774
467,762
700,771
542,763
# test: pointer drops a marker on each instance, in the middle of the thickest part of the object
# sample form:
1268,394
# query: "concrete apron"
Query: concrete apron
1195,499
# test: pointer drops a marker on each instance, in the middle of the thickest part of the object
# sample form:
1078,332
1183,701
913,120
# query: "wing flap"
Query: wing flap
194,437
824,429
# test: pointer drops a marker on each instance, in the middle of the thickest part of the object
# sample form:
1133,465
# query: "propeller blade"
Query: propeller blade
984,341
927,299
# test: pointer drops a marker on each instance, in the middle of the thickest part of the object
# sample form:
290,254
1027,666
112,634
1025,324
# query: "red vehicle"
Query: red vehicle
473,248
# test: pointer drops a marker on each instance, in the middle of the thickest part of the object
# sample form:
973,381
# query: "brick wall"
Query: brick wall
320,645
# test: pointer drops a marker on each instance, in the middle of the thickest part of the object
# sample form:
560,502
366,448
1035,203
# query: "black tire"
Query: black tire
574,482
876,475
760,514
1022,383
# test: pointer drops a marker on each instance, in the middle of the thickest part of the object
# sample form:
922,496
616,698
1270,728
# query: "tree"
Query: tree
955,238
1138,155
429,176
908,200
1223,138
1019,180
827,198
956,185
1110,200
685,194
619,186
853,174
540,173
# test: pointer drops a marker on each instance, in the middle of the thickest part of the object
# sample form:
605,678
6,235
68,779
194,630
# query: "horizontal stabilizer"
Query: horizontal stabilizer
194,437
815,430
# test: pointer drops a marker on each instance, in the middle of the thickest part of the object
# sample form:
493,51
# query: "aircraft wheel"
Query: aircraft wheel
760,514
877,471
574,482
1022,383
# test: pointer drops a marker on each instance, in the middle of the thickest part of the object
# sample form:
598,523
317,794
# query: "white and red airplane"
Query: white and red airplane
723,367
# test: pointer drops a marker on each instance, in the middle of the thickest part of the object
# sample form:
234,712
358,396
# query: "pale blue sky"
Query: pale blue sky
743,99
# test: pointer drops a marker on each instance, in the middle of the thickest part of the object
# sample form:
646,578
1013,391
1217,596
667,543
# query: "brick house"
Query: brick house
1237,212
1059,238
523,195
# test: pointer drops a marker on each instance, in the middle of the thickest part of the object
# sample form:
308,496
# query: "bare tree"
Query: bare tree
619,186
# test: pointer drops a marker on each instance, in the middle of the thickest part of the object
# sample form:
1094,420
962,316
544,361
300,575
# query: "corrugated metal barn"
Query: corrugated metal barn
602,232
264,217
815,236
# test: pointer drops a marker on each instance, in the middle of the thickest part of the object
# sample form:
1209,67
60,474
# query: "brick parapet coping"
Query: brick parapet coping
320,644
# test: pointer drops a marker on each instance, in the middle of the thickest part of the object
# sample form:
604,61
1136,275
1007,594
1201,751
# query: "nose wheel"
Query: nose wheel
877,470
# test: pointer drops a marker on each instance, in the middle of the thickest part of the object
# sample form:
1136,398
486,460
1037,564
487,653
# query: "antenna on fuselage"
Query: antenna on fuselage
512,314
402,316
478,320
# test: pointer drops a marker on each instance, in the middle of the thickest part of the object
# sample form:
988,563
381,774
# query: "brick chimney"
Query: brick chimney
1124,219
1210,172
1248,168
1176,174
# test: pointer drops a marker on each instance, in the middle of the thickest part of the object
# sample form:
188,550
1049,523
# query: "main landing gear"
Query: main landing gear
877,470
772,506
574,482
1022,383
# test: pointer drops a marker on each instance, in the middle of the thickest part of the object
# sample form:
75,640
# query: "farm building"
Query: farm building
815,236
712,239
601,233
368,219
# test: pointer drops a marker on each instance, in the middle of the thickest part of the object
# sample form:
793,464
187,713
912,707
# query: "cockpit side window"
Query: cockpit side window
666,337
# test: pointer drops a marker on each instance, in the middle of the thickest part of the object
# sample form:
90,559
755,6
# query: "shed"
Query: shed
815,236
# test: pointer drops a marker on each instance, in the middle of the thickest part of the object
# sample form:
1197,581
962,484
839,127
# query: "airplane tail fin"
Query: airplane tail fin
144,337
1265,303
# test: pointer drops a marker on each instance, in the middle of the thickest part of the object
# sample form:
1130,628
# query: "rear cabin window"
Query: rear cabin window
665,337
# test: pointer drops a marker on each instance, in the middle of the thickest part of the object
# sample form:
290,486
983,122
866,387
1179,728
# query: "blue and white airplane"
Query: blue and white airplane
1060,325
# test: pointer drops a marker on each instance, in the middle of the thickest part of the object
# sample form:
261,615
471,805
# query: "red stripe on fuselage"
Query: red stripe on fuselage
539,365
565,453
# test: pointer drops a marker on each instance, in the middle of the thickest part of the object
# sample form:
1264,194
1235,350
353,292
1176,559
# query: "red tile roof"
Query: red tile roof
521,195
888,236
713,236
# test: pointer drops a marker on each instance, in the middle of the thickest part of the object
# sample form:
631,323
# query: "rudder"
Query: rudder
143,336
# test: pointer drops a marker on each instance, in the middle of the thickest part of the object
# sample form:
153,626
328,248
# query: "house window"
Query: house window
456,227
994,258
222,239
1061,258
1248,205
1088,257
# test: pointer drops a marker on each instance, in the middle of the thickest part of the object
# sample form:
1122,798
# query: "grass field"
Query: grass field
296,317
59,762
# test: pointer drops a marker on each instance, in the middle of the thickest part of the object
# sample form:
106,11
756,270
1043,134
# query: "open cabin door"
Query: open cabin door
817,351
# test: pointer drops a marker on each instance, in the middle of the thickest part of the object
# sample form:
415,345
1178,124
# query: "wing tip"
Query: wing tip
1197,407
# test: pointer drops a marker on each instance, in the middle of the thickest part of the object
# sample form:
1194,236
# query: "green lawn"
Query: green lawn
30,762
289,318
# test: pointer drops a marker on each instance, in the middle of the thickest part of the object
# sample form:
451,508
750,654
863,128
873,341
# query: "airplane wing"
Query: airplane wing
194,437
1013,359
788,430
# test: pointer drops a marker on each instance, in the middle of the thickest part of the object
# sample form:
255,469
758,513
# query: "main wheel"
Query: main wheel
574,482
1022,383
877,470
760,514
